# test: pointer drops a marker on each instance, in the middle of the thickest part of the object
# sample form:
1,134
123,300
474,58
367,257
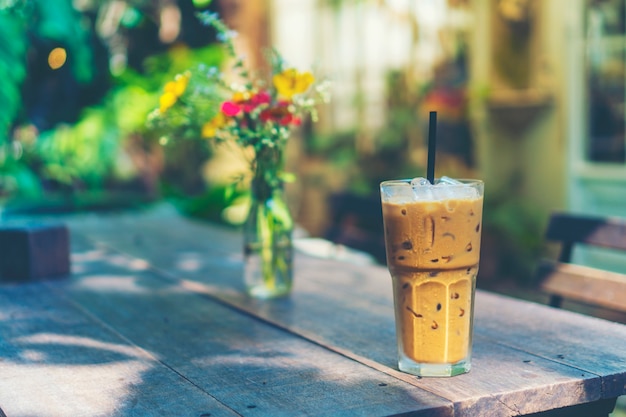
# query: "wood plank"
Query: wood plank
184,246
348,308
55,360
579,284
525,384
602,408
588,285
243,362
590,344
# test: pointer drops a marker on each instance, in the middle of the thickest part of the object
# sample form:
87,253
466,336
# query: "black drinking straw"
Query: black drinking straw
432,146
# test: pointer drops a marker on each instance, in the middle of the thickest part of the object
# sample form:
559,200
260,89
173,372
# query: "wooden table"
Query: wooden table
153,321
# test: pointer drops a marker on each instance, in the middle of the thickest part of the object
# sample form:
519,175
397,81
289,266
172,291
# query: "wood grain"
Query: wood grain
517,368
56,360
244,363
558,335
588,285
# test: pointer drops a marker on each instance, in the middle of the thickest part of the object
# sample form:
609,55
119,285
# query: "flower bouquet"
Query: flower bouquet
258,113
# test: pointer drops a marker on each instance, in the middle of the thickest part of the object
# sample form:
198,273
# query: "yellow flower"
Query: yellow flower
291,82
240,96
173,90
210,128
166,101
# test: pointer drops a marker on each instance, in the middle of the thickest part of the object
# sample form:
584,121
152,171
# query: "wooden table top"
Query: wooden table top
153,321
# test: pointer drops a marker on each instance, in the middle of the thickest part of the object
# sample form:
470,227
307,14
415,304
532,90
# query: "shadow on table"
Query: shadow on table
115,338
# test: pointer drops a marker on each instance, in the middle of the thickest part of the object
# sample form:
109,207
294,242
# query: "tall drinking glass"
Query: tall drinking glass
432,238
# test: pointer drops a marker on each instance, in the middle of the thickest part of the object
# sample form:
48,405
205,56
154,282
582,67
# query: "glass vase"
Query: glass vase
268,245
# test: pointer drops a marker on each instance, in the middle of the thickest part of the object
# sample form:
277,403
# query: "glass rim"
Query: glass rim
464,182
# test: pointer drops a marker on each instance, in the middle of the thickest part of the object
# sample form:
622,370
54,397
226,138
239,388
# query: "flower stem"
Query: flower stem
268,229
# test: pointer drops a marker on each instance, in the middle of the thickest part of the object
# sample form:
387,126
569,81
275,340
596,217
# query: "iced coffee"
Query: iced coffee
432,236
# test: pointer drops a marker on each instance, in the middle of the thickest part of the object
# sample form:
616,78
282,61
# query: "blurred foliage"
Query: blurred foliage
218,203
201,102
59,21
391,155
12,69
97,139
336,4
513,237
94,149
20,23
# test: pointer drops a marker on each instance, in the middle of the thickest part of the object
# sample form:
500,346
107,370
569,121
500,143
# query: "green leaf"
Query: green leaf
280,211
201,3
288,177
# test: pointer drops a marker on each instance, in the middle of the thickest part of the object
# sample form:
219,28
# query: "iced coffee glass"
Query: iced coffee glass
432,237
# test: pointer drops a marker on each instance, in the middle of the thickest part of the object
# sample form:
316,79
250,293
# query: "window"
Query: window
606,71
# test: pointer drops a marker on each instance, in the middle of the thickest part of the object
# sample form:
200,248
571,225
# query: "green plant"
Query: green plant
109,145
12,70
513,237
90,152
19,22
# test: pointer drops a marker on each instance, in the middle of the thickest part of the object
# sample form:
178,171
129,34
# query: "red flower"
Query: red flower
244,102
280,114
261,98
231,109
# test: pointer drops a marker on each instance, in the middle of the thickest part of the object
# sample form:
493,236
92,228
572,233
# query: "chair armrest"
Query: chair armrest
581,283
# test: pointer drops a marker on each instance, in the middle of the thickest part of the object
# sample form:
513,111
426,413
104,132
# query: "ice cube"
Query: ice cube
448,181
398,193
419,182
459,193
449,188
467,192
421,189
444,192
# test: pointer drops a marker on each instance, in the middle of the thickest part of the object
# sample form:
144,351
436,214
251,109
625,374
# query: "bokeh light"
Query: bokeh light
57,58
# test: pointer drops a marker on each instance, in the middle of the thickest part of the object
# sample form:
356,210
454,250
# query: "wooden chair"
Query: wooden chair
591,286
